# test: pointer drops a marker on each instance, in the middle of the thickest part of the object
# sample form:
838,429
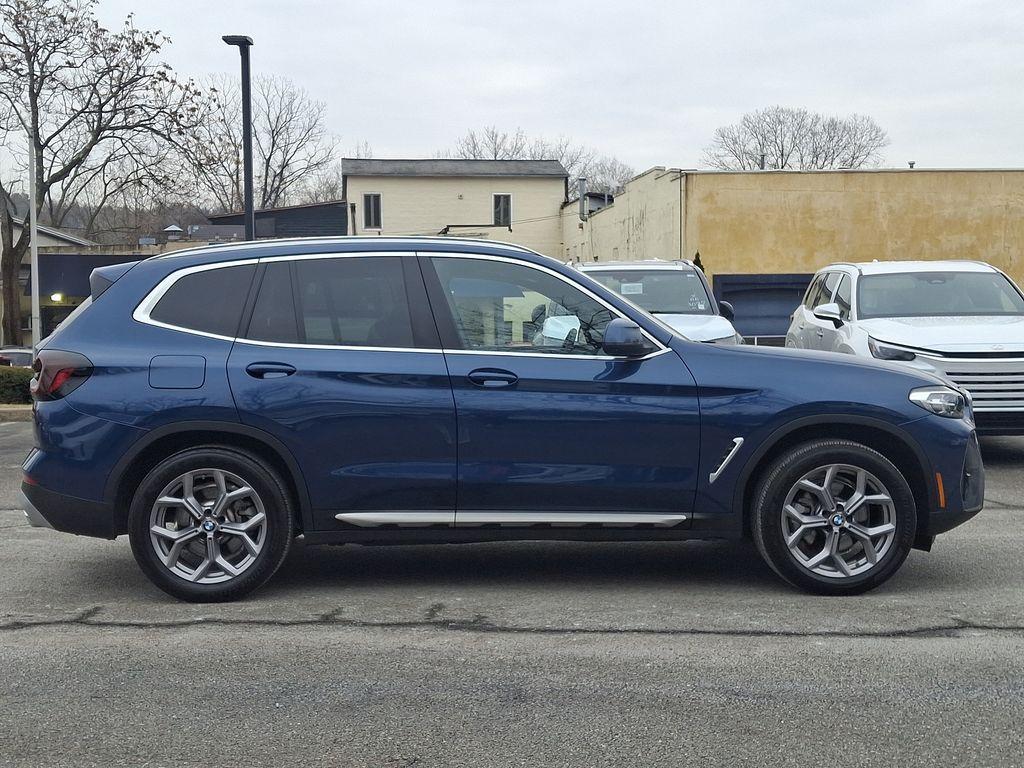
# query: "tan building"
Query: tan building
795,222
762,234
513,200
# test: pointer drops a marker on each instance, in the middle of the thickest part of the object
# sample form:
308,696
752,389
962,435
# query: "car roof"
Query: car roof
648,265
900,267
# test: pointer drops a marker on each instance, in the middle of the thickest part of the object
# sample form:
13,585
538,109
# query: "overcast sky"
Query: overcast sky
645,81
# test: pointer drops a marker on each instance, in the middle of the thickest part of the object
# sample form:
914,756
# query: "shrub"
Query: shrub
14,385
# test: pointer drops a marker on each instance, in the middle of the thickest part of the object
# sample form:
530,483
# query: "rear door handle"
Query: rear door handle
492,378
269,370
820,332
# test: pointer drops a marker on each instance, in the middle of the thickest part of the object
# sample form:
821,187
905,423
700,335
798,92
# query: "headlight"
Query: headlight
885,352
942,401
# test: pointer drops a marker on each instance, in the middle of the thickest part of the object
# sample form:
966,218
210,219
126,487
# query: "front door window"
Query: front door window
499,306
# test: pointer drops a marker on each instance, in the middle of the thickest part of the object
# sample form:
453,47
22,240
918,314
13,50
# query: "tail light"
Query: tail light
58,373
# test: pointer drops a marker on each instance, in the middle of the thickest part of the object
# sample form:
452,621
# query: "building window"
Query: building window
371,211
503,210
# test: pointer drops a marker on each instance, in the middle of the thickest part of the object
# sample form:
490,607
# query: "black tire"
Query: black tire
275,540
781,477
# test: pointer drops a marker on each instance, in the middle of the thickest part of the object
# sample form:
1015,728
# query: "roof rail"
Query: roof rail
269,242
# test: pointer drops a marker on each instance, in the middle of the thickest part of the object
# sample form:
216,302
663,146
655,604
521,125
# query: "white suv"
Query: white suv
963,320
676,292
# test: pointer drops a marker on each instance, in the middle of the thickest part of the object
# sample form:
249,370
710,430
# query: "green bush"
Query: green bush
14,385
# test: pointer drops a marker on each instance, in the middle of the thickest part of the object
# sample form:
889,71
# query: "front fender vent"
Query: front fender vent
727,456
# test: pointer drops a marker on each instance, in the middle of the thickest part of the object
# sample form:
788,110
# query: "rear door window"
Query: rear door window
356,301
273,315
209,301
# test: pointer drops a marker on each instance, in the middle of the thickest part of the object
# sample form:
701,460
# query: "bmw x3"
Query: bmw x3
215,404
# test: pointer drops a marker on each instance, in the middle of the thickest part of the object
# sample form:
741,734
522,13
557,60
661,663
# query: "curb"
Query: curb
15,413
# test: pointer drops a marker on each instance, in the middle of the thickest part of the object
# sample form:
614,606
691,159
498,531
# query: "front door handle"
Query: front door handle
492,378
820,332
269,370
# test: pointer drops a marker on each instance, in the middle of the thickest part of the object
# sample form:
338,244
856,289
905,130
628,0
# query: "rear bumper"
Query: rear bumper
48,509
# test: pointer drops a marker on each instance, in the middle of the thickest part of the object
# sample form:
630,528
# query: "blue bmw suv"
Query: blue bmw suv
214,404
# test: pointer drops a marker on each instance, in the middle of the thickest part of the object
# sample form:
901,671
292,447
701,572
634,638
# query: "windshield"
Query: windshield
665,291
937,294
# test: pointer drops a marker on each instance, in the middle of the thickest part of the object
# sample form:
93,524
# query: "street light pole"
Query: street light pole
33,245
249,216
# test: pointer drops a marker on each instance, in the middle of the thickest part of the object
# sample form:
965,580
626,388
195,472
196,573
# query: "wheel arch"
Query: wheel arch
164,441
892,442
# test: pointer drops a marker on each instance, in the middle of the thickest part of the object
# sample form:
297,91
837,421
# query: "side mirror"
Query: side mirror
727,311
829,312
623,338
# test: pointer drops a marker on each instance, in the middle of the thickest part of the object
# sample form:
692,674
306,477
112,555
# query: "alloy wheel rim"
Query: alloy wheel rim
839,521
208,526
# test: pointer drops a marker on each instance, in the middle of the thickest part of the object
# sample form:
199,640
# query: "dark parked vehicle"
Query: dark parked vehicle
215,403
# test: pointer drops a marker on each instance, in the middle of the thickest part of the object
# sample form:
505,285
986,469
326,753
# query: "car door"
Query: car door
831,337
798,331
552,430
341,363
816,329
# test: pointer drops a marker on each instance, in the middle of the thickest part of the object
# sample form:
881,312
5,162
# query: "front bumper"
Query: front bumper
48,509
971,491
995,423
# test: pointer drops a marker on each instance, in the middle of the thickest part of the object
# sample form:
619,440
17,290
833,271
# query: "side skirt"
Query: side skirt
426,527
410,518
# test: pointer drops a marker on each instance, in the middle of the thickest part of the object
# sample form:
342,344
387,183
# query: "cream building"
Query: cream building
513,200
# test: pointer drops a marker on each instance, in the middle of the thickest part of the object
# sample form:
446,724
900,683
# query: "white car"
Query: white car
676,292
16,357
962,320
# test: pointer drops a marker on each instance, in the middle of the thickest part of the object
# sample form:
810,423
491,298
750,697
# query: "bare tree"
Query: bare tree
290,142
603,172
98,108
784,137
325,184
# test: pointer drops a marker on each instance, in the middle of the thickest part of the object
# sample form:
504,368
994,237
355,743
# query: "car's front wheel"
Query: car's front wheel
210,524
834,517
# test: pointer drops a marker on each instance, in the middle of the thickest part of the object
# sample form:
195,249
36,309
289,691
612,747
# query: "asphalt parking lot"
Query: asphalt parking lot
515,654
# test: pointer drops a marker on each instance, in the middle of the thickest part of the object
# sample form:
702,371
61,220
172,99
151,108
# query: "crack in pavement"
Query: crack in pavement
481,624
1003,504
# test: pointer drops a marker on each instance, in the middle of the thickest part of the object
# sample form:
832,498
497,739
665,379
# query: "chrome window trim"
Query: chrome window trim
335,347
145,307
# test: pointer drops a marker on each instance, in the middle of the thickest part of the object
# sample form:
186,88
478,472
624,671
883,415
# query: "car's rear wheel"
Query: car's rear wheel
210,524
834,517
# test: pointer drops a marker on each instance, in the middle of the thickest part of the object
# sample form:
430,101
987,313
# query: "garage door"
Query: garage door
763,303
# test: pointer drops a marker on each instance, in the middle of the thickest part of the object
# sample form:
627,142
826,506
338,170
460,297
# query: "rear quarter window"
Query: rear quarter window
209,301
